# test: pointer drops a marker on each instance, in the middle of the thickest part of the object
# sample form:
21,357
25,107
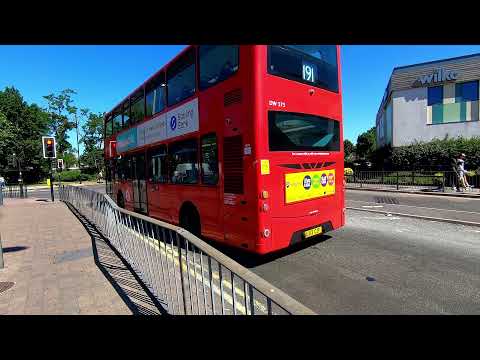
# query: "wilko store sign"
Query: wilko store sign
439,76
179,121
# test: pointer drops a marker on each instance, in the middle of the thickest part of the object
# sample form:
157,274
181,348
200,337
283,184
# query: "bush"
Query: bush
437,153
72,175
348,171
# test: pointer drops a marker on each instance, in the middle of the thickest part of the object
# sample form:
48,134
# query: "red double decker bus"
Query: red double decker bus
242,144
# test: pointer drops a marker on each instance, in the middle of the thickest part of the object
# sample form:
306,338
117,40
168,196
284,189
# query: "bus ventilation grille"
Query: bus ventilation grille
232,97
233,165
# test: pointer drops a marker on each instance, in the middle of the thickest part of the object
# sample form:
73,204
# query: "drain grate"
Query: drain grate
386,200
4,286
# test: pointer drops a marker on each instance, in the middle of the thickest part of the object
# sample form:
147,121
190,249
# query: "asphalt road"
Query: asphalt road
378,264
44,193
446,207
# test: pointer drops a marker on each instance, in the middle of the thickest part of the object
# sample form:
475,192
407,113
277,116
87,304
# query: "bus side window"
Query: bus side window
126,114
137,109
155,95
108,128
181,78
157,165
183,162
217,63
209,159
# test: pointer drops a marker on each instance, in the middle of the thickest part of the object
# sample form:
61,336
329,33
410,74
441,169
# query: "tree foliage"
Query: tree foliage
366,144
349,150
59,109
93,140
437,154
21,129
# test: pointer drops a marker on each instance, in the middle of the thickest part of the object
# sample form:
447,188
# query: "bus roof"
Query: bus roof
164,68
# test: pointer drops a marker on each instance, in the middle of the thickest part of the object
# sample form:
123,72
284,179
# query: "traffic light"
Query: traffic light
49,151
60,164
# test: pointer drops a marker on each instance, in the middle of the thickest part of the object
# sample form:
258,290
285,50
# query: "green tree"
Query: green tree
349,150
59,109
93,140
21,129
366,144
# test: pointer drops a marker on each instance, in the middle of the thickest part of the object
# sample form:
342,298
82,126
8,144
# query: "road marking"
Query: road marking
198,275
372,206
419,207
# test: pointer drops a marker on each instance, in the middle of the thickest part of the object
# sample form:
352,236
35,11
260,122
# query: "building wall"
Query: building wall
412,118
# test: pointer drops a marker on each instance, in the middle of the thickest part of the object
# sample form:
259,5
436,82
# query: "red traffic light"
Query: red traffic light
49,147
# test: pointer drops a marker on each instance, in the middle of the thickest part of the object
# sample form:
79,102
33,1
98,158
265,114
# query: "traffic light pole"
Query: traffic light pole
51,183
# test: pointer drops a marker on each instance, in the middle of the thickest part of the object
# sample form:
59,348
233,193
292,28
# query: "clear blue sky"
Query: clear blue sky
103,75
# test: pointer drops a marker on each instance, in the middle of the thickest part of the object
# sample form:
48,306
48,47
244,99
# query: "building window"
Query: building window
209,159
184,162
217,63
435,95
157,162
181,78
156,96
467,91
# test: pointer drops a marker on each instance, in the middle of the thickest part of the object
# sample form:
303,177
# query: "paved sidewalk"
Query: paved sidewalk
48,255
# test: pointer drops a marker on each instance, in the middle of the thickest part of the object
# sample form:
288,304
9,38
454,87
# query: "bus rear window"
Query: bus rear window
301,132
311,64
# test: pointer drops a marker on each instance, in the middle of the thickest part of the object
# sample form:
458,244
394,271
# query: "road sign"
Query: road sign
49,147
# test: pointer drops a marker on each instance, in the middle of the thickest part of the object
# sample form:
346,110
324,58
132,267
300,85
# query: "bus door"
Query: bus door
139,183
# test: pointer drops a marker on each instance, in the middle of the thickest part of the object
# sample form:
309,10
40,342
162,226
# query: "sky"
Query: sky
103,75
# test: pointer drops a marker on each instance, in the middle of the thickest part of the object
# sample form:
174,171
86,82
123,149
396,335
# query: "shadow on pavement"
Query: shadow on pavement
14,249
119,273
250,260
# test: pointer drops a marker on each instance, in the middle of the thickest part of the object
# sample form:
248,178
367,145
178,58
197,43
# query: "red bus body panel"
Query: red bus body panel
241,222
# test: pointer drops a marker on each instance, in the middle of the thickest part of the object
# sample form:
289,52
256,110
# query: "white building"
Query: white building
430,100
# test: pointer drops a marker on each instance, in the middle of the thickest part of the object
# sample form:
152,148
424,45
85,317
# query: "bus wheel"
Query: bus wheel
190,219
120,200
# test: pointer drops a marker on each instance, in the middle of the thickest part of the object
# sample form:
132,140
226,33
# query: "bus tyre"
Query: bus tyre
120,200
190,219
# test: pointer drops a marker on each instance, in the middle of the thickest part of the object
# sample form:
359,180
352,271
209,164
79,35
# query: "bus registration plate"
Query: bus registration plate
312,232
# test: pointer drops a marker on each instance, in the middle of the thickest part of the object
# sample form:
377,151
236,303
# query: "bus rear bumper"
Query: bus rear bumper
288,232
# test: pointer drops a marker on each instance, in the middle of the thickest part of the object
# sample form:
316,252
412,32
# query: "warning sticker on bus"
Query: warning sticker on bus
308,185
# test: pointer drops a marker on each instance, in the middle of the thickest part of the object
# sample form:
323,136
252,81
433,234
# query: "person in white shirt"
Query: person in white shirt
461,171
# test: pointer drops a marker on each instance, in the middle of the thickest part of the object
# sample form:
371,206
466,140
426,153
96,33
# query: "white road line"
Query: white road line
372,206
420,207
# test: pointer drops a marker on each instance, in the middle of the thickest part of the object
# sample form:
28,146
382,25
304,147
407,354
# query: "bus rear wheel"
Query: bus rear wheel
190,220
120,200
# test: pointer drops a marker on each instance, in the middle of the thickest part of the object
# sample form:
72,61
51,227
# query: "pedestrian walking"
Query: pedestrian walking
2,182
462,172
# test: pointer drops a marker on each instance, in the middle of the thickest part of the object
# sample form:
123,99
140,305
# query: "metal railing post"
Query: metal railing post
413,178
1,253
398,181
135,236
443,181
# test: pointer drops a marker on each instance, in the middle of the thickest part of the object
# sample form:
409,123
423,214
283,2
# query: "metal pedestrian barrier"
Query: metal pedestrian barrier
185,274
14,191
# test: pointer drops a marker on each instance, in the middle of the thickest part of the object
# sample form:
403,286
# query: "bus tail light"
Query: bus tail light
265,207
265,194
266,233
